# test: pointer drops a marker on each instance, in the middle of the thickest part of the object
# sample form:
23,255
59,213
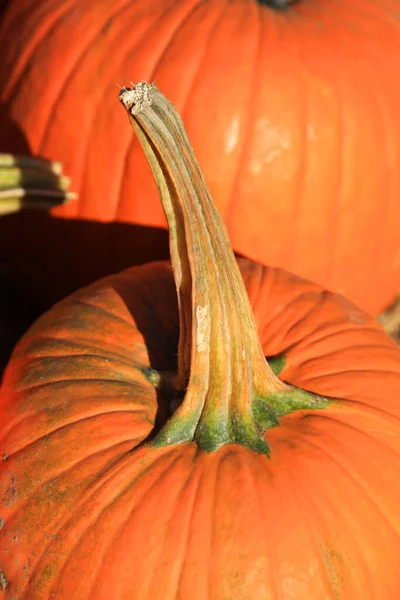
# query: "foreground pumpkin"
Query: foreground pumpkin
256,486
293,114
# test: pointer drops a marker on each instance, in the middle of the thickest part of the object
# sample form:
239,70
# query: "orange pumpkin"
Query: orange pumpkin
293,114
253,488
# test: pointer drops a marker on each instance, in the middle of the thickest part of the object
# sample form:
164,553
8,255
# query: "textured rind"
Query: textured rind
300,110
90,514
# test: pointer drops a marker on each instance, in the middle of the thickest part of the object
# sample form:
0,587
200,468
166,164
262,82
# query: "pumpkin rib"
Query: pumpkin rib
152,583
86,351
356,371
388,149
386,18
301,492
69,74
306,315
337,332
369,76
357,346
294,301
100,514
37,388
335,218
119,212
355,479
16,424
74,65
302,319
130,141
103,479
261,279
309,362
363,75
380,113
196,74
257,494
55,17
104,356
363,410
326,501
248,124
106,313
227,198
185,526
65,426
66,472
303,158
87,380
302,497
212,476
58,87
217,472
64,527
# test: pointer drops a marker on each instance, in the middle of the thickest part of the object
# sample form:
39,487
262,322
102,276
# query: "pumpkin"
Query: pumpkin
151,452
292,109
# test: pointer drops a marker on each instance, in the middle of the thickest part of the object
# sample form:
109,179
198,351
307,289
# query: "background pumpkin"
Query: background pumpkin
293,115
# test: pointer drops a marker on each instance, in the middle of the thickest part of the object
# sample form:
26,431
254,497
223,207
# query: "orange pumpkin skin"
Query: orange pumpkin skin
89,514
300,106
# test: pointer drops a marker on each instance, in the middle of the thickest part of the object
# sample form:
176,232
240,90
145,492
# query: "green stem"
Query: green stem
27,182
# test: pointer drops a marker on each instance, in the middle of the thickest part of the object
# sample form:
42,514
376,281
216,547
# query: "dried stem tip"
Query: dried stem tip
137,98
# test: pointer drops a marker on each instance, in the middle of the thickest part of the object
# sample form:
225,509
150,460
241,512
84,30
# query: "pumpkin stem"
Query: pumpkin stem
28,182
232,395
277,4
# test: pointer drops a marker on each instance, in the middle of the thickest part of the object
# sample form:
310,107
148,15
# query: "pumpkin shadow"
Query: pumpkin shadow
44,259
3,7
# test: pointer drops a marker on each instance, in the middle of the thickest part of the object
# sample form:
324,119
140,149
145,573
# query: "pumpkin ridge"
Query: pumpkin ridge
388,150
247,127
352,475
363,412
336,332
300,170
106,312
302,497
185,521
74,66
357,346
368,78
200,66
55,17
71,524
305,315
333,580
51,437
13,512
130,141
84,505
